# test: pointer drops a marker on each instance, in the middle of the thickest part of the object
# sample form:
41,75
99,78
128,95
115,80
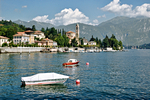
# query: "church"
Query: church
71,35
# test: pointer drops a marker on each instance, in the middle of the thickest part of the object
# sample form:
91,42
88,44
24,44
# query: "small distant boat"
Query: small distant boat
71,62
44,79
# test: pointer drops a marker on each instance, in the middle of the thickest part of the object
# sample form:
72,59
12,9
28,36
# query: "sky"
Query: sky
64,12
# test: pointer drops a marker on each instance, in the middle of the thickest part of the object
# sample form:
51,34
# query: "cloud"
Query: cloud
103,16
42,19
95,21
25,6
126,10
65,17
68,16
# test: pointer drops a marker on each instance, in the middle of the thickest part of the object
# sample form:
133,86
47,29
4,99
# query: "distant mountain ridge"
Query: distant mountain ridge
38,25
131,31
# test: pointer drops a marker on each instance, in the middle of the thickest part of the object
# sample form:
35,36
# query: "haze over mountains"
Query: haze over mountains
131,31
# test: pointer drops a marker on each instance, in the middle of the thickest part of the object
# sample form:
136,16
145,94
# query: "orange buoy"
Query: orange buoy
87,63
77,81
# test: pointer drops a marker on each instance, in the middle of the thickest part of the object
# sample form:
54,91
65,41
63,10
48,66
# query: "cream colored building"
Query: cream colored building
71,35
91,43
45,42
3,40
21,37
39,34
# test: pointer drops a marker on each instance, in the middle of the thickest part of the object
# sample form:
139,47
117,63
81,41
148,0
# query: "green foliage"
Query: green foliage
106,42
92,38
4,45
8,28
74,43
33,28
112,42
82,42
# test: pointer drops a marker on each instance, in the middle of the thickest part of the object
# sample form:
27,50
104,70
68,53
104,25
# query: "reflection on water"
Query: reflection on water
118,75
44,89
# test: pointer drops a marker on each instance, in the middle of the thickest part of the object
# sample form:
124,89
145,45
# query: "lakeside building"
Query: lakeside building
71,35
77,33
39,34
3,40
85,41
91,43
46,42
20,37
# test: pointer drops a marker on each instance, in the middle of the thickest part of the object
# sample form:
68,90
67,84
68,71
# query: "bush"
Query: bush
4,45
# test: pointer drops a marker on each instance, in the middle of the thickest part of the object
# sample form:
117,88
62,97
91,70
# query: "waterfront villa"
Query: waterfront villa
46,42
3,40
21,37
85,41
71,35
91,43
39,34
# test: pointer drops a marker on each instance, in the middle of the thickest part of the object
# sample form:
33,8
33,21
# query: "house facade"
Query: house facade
3,40
39,34
91,43
71,35
85,41
21,37
46,42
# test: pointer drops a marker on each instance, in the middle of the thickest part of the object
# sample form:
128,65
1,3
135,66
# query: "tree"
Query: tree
43,30
4,45
120,44
10,32
33,28
74,43
60,40
66,40
106,42
92,39
113,36
82,42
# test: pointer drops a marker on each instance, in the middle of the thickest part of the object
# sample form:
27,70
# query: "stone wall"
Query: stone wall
20,49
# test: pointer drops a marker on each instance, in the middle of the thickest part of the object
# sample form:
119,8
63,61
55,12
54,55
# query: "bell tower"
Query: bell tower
77,33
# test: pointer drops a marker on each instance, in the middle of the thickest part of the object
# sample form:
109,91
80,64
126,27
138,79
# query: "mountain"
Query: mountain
38,25
131,31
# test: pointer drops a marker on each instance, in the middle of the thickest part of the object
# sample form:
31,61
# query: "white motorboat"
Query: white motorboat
44,78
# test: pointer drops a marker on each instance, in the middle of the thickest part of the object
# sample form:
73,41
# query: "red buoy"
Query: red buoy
77,81
87,63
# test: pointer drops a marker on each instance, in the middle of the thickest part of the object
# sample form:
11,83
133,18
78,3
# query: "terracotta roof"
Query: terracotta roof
70,32
38,31
20,35
28,31
2,37
21,32
47,40
1,25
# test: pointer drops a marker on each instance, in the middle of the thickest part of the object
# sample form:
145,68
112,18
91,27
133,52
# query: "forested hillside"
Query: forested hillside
9,28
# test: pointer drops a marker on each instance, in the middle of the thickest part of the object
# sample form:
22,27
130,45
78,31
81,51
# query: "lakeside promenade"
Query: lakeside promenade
45,49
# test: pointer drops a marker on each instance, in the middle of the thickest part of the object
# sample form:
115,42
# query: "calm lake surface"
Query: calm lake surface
110,75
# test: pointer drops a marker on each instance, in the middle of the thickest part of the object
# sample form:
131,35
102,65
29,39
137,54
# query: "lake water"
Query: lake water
109,75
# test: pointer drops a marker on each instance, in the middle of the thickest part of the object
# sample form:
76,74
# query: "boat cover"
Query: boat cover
44,76
72,60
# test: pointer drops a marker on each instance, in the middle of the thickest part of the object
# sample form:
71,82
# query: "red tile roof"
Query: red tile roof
28,31
70,32
20,35
21,32
2,37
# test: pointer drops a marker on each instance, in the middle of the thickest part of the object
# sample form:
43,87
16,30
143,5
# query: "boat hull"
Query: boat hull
48,82
70,63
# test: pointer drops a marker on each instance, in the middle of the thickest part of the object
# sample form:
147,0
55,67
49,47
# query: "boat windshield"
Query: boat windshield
70,61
